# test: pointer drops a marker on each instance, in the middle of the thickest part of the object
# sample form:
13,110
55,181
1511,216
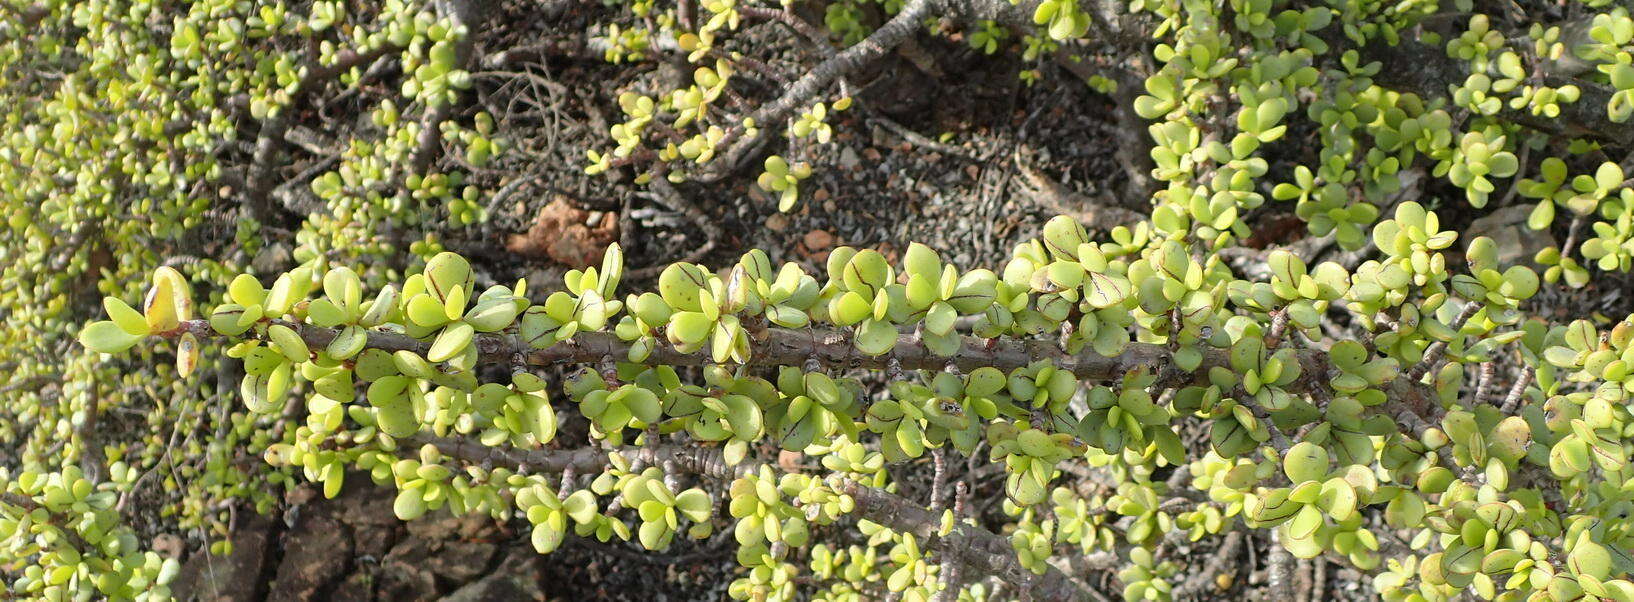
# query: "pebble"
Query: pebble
817,240
777,222
848,159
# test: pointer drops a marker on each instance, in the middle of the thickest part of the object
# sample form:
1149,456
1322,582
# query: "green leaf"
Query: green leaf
1338,499
1103,291
1348,355
866,273
246,290
347,343
1066,274
1305,522
107,337
409,505
128,319
445,273
1590,559
581,506
1609,176
849,308
940,318
452,342
822,388
695,504
690,327
875,337
653,535
1305,461
920,260
642,403
681,285
548,535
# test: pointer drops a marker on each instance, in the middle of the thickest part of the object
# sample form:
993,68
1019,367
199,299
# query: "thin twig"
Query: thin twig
1099,213
921,141
1433,353
666,194
1517,393
770,115
428,146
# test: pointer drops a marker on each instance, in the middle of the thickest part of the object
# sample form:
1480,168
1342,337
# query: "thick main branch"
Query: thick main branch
1426,70
259,183
835,349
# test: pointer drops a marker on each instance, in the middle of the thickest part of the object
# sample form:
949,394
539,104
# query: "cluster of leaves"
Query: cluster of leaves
1079,353
1307,454
69,526
129,142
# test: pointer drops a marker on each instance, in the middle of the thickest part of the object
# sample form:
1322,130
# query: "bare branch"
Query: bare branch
259,183
771,115
1433,353
666,194
1426,70
973,546
429,145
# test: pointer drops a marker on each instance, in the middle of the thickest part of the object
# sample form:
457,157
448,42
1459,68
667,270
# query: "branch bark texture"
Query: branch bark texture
1411,401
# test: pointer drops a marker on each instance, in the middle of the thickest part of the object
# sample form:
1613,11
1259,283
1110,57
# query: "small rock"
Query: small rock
406,583
848,159
566,234
461,561
168,545
312,560
778,222
360,503
789,461
374,541
405,574
230,578
818,240
515,579
358,587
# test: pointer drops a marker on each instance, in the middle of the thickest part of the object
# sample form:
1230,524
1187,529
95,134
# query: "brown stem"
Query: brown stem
815,37
771,115
270,139
1516,393
834,349
973,546
951,578
970,544
705,461
429,145
1433,353
1279,578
